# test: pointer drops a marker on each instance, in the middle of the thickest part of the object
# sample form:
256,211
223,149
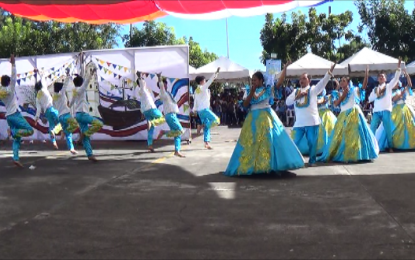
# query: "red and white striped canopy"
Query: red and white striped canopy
131,11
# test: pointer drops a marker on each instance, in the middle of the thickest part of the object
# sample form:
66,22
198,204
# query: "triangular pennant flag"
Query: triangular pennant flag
100,67
171,80
115,75
119,67
114,65
30,77
31,73
128,81
135,84
109,64
102,79
105,70
102,62
152,76
18,75
18,82
109,72
97,59
25,74
119,76
24,79
50,76
185,107
125,69
52,69
112,87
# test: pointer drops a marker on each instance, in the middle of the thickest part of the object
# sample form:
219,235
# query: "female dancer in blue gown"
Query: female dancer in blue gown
351,139
263,146
403,118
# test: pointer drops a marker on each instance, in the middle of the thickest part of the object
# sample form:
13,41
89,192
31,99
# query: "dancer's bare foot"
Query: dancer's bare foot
207,146
92,159
178,154
160,134
18,164
55,145
73,152
151,149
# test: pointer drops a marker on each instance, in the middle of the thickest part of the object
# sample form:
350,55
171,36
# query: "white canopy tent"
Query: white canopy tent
191,70
377,62
229,71
315,66
410,68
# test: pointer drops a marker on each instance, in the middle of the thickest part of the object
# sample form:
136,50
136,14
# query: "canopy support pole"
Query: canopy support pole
227,37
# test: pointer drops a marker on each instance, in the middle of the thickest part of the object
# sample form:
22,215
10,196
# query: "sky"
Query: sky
244,44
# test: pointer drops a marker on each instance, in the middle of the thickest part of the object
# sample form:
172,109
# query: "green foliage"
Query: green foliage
25,38
158,34
315,32
389,27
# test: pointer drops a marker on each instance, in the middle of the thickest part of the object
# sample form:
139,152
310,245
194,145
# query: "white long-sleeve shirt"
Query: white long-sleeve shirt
202,94
43,98
10,100
385,102
146,96
79,96
60,100
307,115
169,104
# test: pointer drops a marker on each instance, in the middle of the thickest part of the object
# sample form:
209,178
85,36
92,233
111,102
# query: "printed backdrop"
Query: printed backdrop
112,93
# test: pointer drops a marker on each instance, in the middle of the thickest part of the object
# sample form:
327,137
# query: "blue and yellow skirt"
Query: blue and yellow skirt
154,116
328,120
403,118
351,139
263,146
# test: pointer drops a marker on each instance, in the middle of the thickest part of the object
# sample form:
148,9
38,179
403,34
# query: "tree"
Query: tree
152,34
389,27
158,34
315,32
25,38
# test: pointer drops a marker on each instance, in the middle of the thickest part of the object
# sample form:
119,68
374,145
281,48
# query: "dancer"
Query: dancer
328,120
263,146
202,106
82,116
148,108
19,127
403,118
351,139
170,113
382,96
60,100
44,102
307,119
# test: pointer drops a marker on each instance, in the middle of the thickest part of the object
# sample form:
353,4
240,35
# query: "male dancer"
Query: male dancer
69,124
202,106
82,115
170,113
44,102
307,118
148,108
382,95
19,127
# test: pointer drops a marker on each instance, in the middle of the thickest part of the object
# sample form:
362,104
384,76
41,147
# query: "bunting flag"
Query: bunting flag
152,76
18,82
100,67
120,67
185,107
115,75
105,70
102,79
115,66
108,63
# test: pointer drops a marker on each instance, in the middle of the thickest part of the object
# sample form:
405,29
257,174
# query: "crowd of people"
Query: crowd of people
328,122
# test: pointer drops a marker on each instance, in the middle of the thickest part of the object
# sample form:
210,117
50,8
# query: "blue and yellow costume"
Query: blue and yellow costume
18,125
263,146
403,118
328,120
351,139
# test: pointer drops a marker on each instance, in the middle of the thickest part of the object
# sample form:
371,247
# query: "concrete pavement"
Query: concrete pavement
138,205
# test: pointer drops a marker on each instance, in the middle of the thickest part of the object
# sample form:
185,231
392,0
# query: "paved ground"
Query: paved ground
133,204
